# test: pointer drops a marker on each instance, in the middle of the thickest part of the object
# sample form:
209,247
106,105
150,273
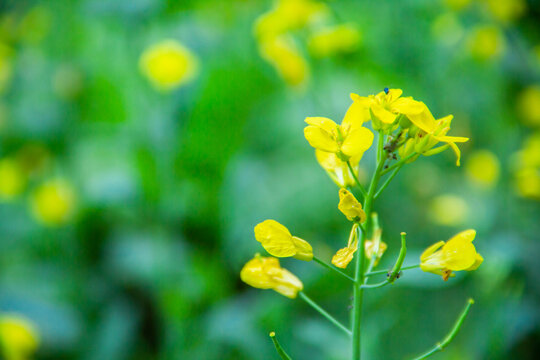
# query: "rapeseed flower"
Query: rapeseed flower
336,39
506,10
486,42
266,273
456,254
386,106
344,256
431,132
12,179
53,202
350,207
168,65
336,168
19,338
449,210
483,168
283,54
348,141
528,105
278,241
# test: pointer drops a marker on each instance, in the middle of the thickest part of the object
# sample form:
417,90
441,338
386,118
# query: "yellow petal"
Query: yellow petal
343,257
275,238
406,105
394,94
459,254
350,207
304,251
287,284
467,235
382,114
430,250
329,161
357,142
326,124
253,273
355,116
424,120
320,139
477,262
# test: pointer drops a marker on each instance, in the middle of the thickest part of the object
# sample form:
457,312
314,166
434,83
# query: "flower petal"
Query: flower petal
275,238
459,254
357,142
430,250
355,116
424,120
304,251
326,124
320,139
406,105
382,114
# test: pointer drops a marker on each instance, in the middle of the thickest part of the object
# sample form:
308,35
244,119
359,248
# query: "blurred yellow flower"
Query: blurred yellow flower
6,67
53,202
12,179
375,246
449,210
336,168
327,41
348,141
506,10
458,4
386,106
350,207
266,273
344,256
486,42
527,181
282,53
528,105
529,155
432,132
483,168
19,338
168,65
456,254
278,241
289,15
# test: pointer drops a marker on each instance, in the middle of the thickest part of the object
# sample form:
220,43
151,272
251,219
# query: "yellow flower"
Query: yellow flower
12,179
282,53
350,207
456,254
348,141
342,38
483,168
18,337
486,42
344,256
528,104
449,210
386,106
336,168
507,10
375,246
527,182
432,132
53,202
265,273
278,241
168,65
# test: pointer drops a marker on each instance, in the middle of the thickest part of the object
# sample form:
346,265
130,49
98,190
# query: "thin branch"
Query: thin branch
387,272
399,262
324,313
278,347
387,181
362,190
399,163
440,346
325,265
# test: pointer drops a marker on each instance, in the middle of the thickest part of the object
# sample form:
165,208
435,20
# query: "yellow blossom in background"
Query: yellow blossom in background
483,168
343,38
529,155
449,210
266,273
386,106
168,65
527,171
432,132
283,54
348,141
19,338
375,247
344,256
12,179
336,168
350,207
278,241
486,42
527,182
35,25
289,15
528,105
53,202
506,10
456,254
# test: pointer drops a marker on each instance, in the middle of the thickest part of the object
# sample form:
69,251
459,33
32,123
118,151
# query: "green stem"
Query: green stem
375,286
387,181
278,347
362,190
399,262
359,269
379,272
324,313
399,163
322,263
440,346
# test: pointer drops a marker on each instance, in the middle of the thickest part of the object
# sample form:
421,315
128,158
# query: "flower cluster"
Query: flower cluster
278,35
19,338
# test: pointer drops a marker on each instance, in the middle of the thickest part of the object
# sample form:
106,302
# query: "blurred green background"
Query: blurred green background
127,210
